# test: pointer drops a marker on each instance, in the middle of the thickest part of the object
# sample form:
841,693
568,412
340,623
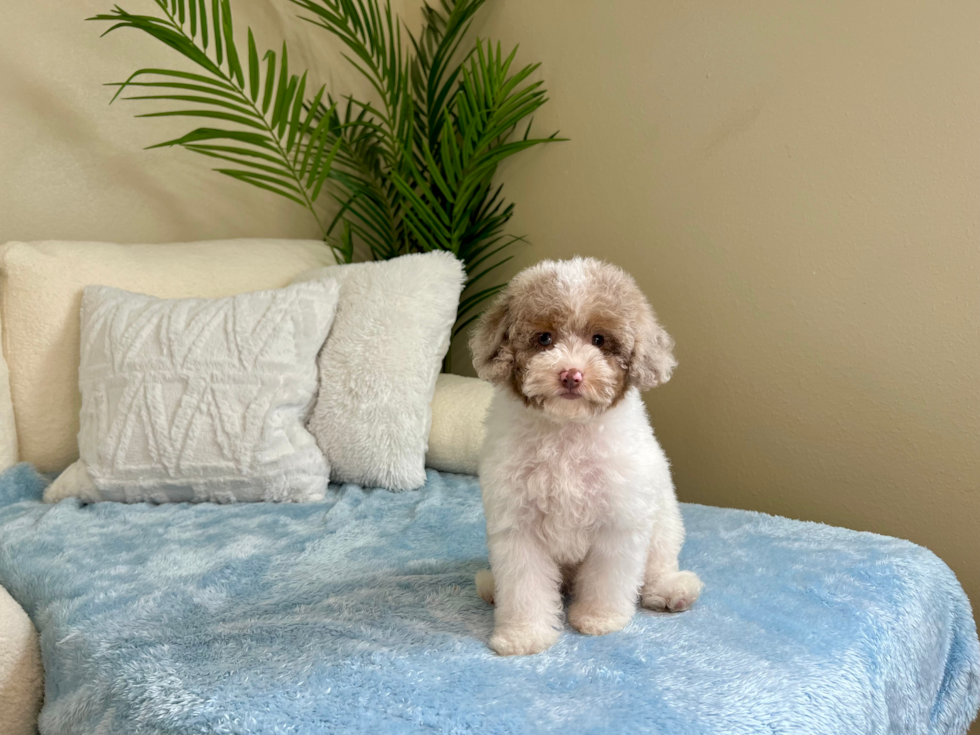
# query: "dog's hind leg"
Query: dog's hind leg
665,587
484,585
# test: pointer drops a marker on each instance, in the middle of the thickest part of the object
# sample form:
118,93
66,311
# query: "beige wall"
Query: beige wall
797,188
73,167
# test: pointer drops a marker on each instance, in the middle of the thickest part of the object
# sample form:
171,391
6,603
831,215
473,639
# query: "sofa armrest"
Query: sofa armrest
21,673
459,408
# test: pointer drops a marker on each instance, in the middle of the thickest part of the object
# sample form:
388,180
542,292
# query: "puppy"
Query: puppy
576,490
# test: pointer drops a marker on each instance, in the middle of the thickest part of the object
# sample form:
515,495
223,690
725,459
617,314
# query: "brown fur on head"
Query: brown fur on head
549,320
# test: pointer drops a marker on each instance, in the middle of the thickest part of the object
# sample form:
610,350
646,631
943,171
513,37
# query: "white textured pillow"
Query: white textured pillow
199,400
379,366
41,290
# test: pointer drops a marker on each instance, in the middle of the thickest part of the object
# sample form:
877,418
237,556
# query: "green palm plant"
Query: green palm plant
409,171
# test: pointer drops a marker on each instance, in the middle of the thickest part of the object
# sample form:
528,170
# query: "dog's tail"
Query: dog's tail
484,585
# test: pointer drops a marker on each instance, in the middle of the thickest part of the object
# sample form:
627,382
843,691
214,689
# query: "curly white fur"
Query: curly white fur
575,490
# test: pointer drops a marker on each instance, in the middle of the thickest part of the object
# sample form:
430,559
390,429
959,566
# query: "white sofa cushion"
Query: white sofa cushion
41,290
8,427
21,674
379,366
201,399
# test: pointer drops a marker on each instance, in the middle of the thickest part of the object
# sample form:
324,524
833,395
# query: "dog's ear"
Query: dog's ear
652,361
493,357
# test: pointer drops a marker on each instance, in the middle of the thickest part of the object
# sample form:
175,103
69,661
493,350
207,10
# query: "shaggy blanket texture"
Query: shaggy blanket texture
358,614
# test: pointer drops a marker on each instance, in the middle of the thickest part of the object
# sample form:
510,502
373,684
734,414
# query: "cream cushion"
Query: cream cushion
459,408
41,287
21,673
8,428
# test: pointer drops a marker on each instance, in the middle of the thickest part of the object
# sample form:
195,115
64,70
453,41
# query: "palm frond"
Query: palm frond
373,36
370,204
373,141
452,202
274,142
434,72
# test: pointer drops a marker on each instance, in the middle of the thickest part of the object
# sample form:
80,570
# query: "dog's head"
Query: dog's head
571,337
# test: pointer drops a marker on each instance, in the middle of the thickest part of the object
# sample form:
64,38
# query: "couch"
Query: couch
359,613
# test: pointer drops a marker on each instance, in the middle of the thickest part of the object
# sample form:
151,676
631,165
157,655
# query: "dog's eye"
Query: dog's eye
598,340
544,339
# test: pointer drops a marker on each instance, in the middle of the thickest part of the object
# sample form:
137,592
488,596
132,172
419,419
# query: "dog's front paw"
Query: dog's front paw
591,620
674,592
522,640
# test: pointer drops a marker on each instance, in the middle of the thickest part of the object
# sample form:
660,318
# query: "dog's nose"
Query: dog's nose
571,378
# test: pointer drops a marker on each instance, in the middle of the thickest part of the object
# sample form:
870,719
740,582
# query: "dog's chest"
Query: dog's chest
566,485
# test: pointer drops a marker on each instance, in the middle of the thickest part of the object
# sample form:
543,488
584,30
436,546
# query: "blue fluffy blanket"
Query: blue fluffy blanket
358,614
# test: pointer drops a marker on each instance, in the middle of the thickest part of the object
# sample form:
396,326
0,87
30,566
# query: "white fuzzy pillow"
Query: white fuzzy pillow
379,366
199,399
